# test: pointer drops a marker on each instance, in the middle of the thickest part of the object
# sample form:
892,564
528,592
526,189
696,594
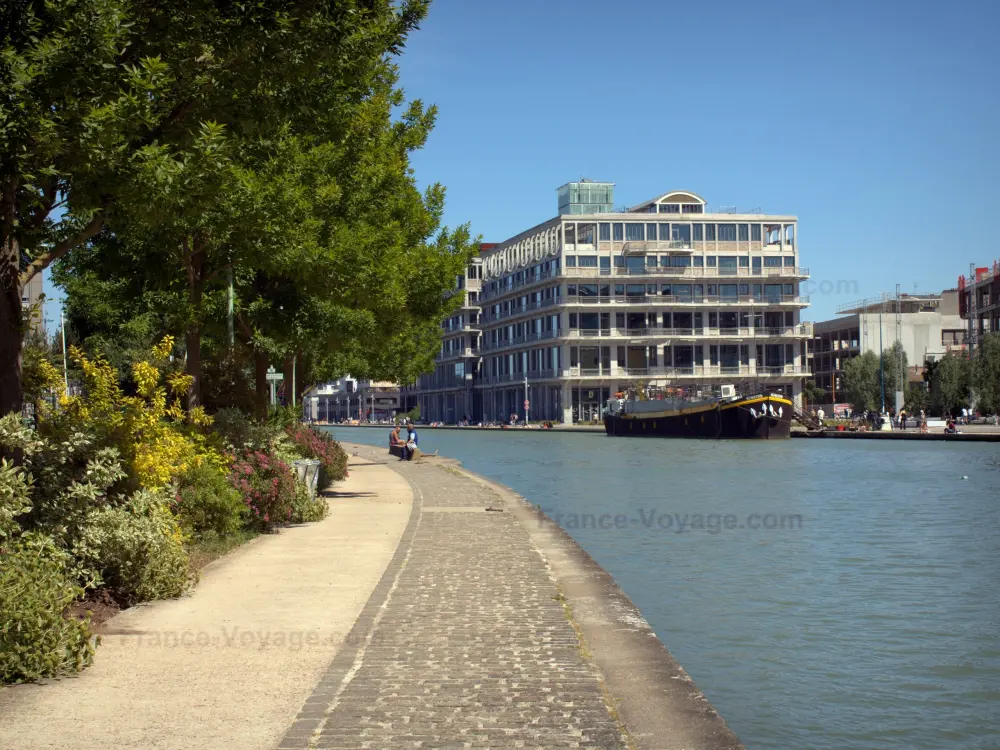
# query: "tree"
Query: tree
986,374
917,398
949,388
813,393
92,89
861,381
895,366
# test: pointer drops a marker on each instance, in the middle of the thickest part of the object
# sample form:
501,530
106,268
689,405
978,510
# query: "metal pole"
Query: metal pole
294,357
881,367
62,324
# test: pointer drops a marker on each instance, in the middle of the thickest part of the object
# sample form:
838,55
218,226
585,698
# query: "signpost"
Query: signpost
273,378
527,403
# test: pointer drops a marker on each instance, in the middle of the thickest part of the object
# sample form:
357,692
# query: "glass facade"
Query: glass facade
586,198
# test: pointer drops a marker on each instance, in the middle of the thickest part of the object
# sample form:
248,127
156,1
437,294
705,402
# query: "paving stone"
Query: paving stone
471,649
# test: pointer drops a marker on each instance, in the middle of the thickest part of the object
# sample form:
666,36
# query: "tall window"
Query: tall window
606,231
744,232
699,232
651,231
681,232
634,232
619,231
755,232
664,232
710,232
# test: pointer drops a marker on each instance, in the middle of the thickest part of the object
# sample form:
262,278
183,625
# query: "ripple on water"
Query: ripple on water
875,624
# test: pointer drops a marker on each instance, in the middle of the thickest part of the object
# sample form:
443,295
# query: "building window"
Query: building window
727,232
755,232
681,232
633,232
619,232
570,261
772,262
744,261
651,261
605,231
710,261
619,261
670,208
651,232
789,262
693,208
588,261
710,232
572,320
699,233
664,232
605,262
744,232
680,261
699,261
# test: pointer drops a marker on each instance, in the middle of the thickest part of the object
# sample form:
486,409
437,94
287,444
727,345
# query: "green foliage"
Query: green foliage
307,509
813,393
986,374
894,372
949,385
861,381
15,500
240,433
206,503
267,486
36,586
917,398
137,548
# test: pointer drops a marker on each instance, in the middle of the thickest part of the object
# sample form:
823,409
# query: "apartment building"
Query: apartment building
352,398
667,293
928,327
448,394
979,300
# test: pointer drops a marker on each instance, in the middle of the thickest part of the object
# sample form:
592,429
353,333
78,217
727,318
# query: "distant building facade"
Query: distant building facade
448,394
352,398
929,326
31,294
979,301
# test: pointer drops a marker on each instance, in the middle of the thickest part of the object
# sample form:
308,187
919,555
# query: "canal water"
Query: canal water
823,594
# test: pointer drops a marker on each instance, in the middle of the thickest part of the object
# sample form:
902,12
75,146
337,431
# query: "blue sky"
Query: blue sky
874,122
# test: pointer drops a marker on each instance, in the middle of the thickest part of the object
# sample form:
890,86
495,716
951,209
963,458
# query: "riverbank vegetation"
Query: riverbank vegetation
953,383
220,190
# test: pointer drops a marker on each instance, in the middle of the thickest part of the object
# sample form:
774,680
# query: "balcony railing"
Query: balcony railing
664,299
692,371
697,272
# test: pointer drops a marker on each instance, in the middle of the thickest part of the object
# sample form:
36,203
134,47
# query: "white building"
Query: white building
667,293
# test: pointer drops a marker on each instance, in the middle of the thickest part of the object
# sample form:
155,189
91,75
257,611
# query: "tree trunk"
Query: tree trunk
11,331
196,287
286,370
260,375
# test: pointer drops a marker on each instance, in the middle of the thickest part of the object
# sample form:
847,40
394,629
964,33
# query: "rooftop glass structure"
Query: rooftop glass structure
586,197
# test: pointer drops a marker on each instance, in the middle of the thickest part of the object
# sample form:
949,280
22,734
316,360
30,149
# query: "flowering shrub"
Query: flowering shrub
267,485
157,439
319,445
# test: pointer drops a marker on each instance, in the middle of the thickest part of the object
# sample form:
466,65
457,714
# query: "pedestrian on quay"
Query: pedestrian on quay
411,441
902,419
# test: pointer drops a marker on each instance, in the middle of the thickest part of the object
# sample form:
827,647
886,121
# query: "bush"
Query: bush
241,433
206,503
267,486
307,509
14,498
319,445
36,587
137,549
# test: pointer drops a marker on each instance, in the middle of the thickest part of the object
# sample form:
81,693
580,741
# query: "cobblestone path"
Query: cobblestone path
464,644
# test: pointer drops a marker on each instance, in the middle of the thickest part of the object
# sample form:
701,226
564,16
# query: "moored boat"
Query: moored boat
757,415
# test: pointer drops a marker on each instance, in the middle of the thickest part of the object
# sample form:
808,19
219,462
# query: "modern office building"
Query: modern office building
448,394
928,326
668,293
979,301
